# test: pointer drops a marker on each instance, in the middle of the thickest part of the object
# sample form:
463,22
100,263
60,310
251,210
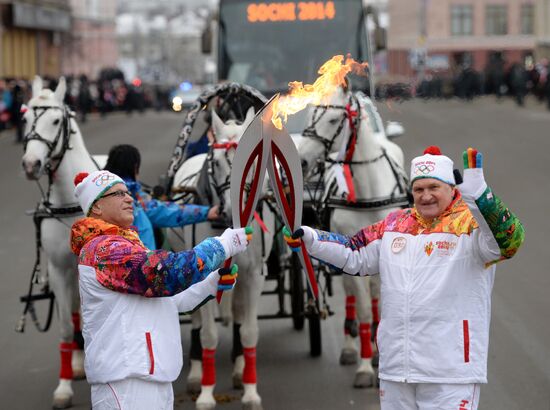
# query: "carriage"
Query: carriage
283,269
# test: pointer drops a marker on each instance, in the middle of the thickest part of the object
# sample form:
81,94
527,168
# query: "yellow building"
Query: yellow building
31,33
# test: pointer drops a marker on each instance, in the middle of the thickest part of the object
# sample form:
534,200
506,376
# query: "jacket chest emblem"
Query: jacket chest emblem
429,248
398,244
441,248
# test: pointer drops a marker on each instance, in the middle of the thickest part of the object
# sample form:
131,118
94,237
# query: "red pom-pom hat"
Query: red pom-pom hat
80,177
433,150
433,164
90,187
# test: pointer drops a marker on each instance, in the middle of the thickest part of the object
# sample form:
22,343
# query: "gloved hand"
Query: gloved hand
234,241
228,278
294,240
473,184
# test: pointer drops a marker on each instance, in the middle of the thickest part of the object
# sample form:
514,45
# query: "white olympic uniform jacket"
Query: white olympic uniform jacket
129,336
131,298
436,282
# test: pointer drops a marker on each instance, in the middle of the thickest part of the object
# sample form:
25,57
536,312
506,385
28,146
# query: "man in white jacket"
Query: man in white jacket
131,296
436,265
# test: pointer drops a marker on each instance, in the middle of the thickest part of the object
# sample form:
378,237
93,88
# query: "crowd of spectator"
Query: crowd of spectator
108,93
516,81
111,92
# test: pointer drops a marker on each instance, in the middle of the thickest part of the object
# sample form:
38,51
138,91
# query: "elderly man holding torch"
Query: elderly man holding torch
131,296
437,266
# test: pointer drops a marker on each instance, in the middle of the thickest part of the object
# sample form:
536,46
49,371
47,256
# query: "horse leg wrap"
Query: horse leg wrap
237,349
208,367
66,350
365,336
249,373
195,350
78,340
350,324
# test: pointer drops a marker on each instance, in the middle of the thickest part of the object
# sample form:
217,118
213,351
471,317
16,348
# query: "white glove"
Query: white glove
473,184
235,241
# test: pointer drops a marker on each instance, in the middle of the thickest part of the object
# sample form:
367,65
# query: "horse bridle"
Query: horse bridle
354,120
63,134
319,111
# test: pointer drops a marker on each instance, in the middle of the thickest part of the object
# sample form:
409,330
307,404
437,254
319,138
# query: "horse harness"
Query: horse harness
399,195
45,210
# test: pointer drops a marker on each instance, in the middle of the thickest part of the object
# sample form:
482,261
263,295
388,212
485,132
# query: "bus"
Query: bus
269,44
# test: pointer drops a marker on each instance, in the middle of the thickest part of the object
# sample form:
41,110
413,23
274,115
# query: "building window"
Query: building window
461,20
496,20
527,19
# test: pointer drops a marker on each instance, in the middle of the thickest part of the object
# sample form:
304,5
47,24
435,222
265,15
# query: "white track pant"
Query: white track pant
428,396
132,394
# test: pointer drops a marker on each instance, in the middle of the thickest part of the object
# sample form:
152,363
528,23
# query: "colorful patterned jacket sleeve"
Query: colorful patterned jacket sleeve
169,214
127,267
499,224
355,255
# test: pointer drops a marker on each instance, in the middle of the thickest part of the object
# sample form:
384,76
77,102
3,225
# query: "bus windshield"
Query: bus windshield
267,45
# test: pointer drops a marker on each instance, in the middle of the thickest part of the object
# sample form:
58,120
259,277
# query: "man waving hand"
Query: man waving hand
437,266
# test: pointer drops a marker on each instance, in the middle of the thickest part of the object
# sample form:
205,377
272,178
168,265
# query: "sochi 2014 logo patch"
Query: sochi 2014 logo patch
440,248
445,248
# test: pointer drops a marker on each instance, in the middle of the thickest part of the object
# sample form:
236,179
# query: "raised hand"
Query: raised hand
473,184
228,278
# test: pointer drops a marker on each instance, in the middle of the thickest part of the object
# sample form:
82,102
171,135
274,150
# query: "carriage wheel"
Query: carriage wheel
315,345
297,292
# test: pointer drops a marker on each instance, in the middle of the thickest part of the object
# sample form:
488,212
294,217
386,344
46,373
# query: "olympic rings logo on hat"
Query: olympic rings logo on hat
103,179
424,169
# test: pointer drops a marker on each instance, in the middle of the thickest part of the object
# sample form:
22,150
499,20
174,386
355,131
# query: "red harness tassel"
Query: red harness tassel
66,351
365,336
260,221
351,114
249,373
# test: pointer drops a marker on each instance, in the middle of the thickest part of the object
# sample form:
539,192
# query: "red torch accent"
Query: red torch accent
245,215
277,155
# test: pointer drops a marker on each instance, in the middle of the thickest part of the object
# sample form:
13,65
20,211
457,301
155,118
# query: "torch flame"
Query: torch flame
333,74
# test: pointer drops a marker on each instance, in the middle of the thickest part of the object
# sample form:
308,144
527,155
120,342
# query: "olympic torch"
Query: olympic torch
284,164
252,154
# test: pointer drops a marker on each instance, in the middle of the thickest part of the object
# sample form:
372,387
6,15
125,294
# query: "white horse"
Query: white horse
380,187
54,147
245,297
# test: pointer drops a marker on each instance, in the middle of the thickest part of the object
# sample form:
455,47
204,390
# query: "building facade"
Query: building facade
31,33
91,43
542,29
441,35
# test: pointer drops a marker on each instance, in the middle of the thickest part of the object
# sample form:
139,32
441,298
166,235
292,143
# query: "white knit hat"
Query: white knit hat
433,165
90,187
